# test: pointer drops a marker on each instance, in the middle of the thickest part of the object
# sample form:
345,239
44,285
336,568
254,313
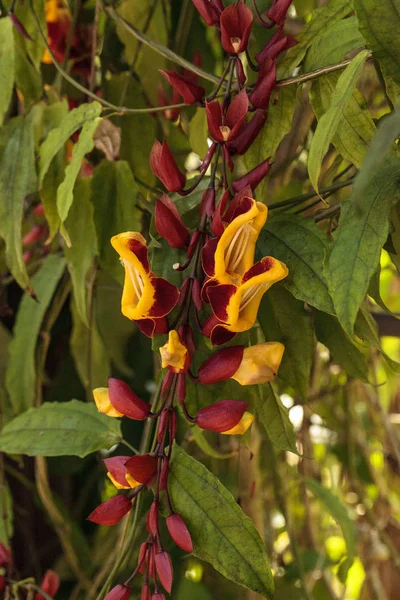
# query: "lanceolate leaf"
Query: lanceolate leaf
330,121
274,416
82,234
363,229
338,512
56,139
60,429
222,534
302,246
21,375
17,180
6,65
344,351
321,19
83,146
379,22
284,319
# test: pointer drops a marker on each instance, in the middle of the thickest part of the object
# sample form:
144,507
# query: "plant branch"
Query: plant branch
307,196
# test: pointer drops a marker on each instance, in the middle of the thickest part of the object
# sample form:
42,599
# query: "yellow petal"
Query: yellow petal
173,353
242,426
132,482
117,485
260,363
102,400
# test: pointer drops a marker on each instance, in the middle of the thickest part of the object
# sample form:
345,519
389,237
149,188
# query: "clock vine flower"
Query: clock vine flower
220,293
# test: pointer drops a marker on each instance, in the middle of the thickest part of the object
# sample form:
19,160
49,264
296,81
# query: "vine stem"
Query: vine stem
309,195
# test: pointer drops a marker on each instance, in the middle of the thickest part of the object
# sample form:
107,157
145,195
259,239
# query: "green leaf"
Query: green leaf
82,235
356,129
278,124
17,180
6,512
205,446
362,231
330,121
84,145
7,65
379,23
321,19
21,375
343,349
300,244
114,193
28,78
33,48
198,132
339,512
54,142
367,329
274,417
333,44
222,534
284,319
60,429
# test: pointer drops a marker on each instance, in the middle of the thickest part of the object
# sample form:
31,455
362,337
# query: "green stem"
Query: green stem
303,197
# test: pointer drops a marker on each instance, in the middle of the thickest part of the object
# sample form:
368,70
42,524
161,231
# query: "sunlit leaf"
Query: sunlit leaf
7,65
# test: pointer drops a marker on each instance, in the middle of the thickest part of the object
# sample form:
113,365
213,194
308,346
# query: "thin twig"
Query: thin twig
307,196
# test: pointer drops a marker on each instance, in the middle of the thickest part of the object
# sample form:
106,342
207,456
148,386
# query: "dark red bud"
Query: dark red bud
207,205
186,334
278,10
159,596
111,511
38,211
196,294
227,158
249,133
152,518
141,467
207,159
146,593
207,11
179,532
164,570
125,401
236,22
183,291
117,469
19,27
119,592
221,365
181,388
164,473
240,72
34,234
253,177
265,83
169,223
221,416
167,381
190,91
50,585
27,256
5,556
193,243
163,424
164,167
277,44
143,559
173,425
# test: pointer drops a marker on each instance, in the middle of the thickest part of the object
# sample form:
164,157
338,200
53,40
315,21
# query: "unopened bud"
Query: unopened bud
179,532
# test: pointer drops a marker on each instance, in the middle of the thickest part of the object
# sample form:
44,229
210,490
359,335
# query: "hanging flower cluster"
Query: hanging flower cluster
220,295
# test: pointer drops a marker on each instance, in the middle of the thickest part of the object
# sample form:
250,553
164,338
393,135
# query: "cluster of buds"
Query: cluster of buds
219,296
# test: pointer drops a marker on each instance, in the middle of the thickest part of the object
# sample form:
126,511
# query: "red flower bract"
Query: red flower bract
265,83
179,532
221,416
111,511
146,593
248,133
117,469
190,92
119,592
221,365
209,11
164,570
164,167
169,223
226,129
125,401
236,22
50,585
141,467
5,556
252,178
278,10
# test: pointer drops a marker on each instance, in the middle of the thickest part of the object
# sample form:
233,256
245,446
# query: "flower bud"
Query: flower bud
146,593
249,133
240,72
34,235
222,365
102,399
5,556
243,425
143,557
111,511
141,468
207,204
2,583
50,585
164,570
227,158
27,256
118,474
179,532
152,519
207,159
186,335
164,472
221,416
236,22
265,83
181,388
169,223
159,596
125,401
119,592
278,10
190,92
196,294
277,44
38,211
252,178
164,167
207,11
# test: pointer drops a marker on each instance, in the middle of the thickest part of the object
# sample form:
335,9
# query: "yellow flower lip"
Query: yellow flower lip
174,354
260,363
102,400
241,427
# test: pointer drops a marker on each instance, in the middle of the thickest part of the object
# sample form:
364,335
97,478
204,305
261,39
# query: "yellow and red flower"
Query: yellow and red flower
146,299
